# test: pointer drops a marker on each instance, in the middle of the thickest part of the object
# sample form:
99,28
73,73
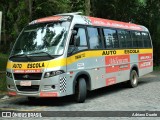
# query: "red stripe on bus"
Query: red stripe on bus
47,19
115,24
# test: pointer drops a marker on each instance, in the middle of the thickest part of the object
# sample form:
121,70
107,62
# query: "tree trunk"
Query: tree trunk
87,7
0,25
4,26
30,9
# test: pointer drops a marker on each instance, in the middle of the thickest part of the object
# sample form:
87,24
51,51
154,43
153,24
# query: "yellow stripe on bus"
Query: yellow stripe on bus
74,58
98,53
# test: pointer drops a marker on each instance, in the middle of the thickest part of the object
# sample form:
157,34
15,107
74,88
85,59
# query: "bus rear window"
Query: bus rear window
146,39
137,39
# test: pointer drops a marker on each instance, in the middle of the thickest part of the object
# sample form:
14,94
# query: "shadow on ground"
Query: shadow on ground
64,101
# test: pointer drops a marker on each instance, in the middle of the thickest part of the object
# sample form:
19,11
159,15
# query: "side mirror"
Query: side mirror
76,40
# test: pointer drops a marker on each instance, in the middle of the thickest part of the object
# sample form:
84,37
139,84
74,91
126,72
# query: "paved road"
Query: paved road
145,97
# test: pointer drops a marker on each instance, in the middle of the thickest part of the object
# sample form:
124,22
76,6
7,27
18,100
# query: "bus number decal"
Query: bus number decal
80,56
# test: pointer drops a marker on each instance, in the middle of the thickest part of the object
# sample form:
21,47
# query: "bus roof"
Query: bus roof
87,20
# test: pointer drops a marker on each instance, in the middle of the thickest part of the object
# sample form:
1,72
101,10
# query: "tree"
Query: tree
77,6
87,7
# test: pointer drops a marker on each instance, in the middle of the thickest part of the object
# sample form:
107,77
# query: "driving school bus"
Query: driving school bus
69,54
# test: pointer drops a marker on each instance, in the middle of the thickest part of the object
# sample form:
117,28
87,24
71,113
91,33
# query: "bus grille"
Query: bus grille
31,76
28,88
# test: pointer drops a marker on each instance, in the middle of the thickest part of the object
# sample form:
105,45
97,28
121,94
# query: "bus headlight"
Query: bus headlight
9,74
53,73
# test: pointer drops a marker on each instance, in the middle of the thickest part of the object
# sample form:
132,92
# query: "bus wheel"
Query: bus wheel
133,82
80,90
31,98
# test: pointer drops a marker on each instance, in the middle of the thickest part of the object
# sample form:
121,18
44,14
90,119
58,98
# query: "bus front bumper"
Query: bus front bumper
39,94
49,87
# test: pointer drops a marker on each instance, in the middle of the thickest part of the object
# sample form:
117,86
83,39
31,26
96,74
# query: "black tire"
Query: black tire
133,82
31,98
80,90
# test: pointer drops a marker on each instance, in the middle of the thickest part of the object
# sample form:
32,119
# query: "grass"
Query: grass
3,63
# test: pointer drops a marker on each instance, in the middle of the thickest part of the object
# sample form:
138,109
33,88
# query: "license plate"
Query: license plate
25,83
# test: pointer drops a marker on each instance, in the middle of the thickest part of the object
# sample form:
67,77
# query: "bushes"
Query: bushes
3,63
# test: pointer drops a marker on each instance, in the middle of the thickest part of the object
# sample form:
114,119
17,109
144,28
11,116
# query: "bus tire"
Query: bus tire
80,90
133,82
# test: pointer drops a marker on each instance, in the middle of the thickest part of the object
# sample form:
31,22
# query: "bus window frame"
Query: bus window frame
112,43
149,36
101,34
99,29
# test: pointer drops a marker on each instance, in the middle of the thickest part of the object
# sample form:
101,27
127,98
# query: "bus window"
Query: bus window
137,39
111,39
83,41
146,39
82,34
129,40
94,38
124,39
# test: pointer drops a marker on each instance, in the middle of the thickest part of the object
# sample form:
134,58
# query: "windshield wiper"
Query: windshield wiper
45,53
21,55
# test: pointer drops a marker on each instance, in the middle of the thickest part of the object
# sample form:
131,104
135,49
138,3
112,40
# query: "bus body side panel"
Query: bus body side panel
143,61
103,70
109,69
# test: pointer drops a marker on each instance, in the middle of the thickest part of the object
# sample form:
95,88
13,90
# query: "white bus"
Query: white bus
69,54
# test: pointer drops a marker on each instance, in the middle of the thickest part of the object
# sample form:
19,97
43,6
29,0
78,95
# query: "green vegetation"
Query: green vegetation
3,82
17,15
3,62
156,68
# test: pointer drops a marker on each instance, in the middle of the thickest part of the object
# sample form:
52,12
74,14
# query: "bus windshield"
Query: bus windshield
37,39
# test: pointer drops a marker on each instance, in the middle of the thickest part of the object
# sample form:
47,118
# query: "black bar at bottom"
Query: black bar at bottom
79,114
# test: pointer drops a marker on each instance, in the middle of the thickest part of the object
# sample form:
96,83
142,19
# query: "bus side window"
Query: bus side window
111,39
146,39
83,41
124,39
129,40
137,39
94,38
